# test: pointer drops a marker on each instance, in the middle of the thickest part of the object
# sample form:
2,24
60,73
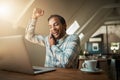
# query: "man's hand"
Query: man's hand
37,12
52,40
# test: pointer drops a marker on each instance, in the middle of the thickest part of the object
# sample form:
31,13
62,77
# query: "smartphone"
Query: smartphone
52,36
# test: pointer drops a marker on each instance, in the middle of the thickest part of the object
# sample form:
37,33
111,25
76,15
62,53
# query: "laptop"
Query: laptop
14,56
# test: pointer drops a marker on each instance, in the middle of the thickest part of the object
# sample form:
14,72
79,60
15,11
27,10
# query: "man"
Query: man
62,50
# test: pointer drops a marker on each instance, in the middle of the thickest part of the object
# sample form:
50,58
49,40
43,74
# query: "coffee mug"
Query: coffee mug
90,64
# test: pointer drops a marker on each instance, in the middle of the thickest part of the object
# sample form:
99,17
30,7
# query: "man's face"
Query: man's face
56,28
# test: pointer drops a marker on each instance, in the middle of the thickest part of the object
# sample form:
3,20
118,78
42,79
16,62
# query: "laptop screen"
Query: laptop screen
14,55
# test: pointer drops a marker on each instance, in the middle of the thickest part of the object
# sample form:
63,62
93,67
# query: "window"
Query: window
81,36
73,28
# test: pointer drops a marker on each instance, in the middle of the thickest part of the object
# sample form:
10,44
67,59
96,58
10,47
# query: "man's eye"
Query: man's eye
56,24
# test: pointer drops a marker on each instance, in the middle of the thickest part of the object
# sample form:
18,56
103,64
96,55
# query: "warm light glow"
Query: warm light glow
5,10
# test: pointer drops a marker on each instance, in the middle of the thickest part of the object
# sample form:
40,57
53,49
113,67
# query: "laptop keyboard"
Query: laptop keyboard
37,69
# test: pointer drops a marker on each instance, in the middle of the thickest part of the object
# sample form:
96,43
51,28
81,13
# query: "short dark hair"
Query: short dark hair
62,20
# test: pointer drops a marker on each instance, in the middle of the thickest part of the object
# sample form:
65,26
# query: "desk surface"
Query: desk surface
59,74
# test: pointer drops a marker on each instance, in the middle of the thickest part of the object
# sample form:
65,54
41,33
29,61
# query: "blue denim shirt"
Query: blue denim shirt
64,54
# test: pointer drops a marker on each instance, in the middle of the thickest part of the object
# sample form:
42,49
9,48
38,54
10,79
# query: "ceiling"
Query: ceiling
12,9
90,14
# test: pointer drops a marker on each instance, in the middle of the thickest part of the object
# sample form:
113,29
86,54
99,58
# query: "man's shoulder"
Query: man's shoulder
73,36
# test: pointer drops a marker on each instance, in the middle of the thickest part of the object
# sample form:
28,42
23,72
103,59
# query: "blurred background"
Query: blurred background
97,22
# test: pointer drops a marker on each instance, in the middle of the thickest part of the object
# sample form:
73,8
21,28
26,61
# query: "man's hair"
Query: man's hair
62,20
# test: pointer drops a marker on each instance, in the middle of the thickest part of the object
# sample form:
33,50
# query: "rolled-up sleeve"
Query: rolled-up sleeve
31,36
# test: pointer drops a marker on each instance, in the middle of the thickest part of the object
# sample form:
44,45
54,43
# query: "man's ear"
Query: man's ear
65,26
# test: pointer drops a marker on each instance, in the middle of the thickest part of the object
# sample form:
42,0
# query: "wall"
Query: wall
113,34
80,10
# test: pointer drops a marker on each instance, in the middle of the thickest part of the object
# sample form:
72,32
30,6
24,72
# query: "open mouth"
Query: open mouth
55,34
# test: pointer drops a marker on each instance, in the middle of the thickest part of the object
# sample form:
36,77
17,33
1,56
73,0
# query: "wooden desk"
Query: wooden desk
59,74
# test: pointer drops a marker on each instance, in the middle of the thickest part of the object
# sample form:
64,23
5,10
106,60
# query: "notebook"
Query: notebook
14,56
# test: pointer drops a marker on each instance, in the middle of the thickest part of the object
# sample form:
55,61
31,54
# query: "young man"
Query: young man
62,50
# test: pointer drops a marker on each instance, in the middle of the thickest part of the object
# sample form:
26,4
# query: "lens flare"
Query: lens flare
5,10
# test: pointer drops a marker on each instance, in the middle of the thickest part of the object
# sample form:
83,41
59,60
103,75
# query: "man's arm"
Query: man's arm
29,33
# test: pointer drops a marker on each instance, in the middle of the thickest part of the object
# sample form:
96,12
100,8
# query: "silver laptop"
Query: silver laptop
15,57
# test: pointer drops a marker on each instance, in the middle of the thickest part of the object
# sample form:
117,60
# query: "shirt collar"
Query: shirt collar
61,39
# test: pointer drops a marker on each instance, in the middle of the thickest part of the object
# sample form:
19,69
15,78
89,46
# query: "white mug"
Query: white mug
90,64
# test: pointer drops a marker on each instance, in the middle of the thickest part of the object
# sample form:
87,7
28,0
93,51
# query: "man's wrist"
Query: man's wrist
34,17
